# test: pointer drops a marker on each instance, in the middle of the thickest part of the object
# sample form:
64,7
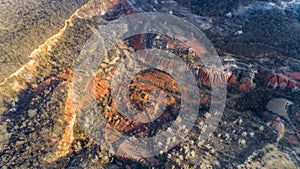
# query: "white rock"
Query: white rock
227,136
279,106
238,32
261,128
242,141
229,14
244,134
240,121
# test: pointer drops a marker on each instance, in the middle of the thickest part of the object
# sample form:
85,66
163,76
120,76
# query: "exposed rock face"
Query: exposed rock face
24,25
41,127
